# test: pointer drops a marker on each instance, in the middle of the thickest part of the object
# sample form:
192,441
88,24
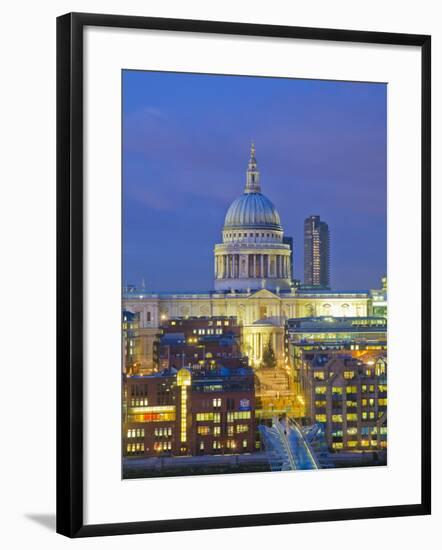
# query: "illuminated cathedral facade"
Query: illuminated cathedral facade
253,281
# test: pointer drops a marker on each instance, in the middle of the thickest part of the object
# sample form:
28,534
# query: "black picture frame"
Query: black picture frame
70,273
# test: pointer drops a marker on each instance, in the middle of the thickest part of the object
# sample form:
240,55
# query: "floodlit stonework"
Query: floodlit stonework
253,282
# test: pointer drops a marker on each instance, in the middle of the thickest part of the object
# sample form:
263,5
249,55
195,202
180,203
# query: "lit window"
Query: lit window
241,415
204,417
241,428
203,430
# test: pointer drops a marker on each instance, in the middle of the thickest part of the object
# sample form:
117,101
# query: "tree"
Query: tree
268,356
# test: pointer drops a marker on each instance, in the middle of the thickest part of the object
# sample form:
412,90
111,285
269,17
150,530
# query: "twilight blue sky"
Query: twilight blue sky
320,146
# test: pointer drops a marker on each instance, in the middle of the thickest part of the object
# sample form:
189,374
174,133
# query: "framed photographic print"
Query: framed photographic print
243,274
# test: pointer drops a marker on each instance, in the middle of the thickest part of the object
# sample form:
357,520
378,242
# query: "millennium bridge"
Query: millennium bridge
290,446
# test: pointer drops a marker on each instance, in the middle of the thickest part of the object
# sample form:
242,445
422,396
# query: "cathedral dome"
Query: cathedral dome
253,253
252,210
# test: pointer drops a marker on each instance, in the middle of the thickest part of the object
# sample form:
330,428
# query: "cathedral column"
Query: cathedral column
262,266
254,266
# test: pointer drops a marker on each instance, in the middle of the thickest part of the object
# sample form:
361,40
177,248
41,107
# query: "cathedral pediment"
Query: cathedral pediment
264,293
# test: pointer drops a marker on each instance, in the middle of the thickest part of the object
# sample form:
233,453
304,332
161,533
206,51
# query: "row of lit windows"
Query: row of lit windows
351,417
163,432
206,430
368,401
216,417
230,444
139,402
135,447
152,417
208,417
139,432
238,415
364,443
321,390
365,430
203,331
162,446
369,415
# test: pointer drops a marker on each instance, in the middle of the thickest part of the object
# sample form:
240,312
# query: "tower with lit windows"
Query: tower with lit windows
253,254
316,252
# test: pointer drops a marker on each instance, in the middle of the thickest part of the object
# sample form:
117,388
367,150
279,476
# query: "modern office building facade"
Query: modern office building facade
347,394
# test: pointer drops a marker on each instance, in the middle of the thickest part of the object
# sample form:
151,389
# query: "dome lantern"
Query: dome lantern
252,182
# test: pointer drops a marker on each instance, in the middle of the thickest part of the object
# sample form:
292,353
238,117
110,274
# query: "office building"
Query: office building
316,253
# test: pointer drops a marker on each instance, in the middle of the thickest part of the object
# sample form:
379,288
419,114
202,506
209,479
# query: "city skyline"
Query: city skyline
185,157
